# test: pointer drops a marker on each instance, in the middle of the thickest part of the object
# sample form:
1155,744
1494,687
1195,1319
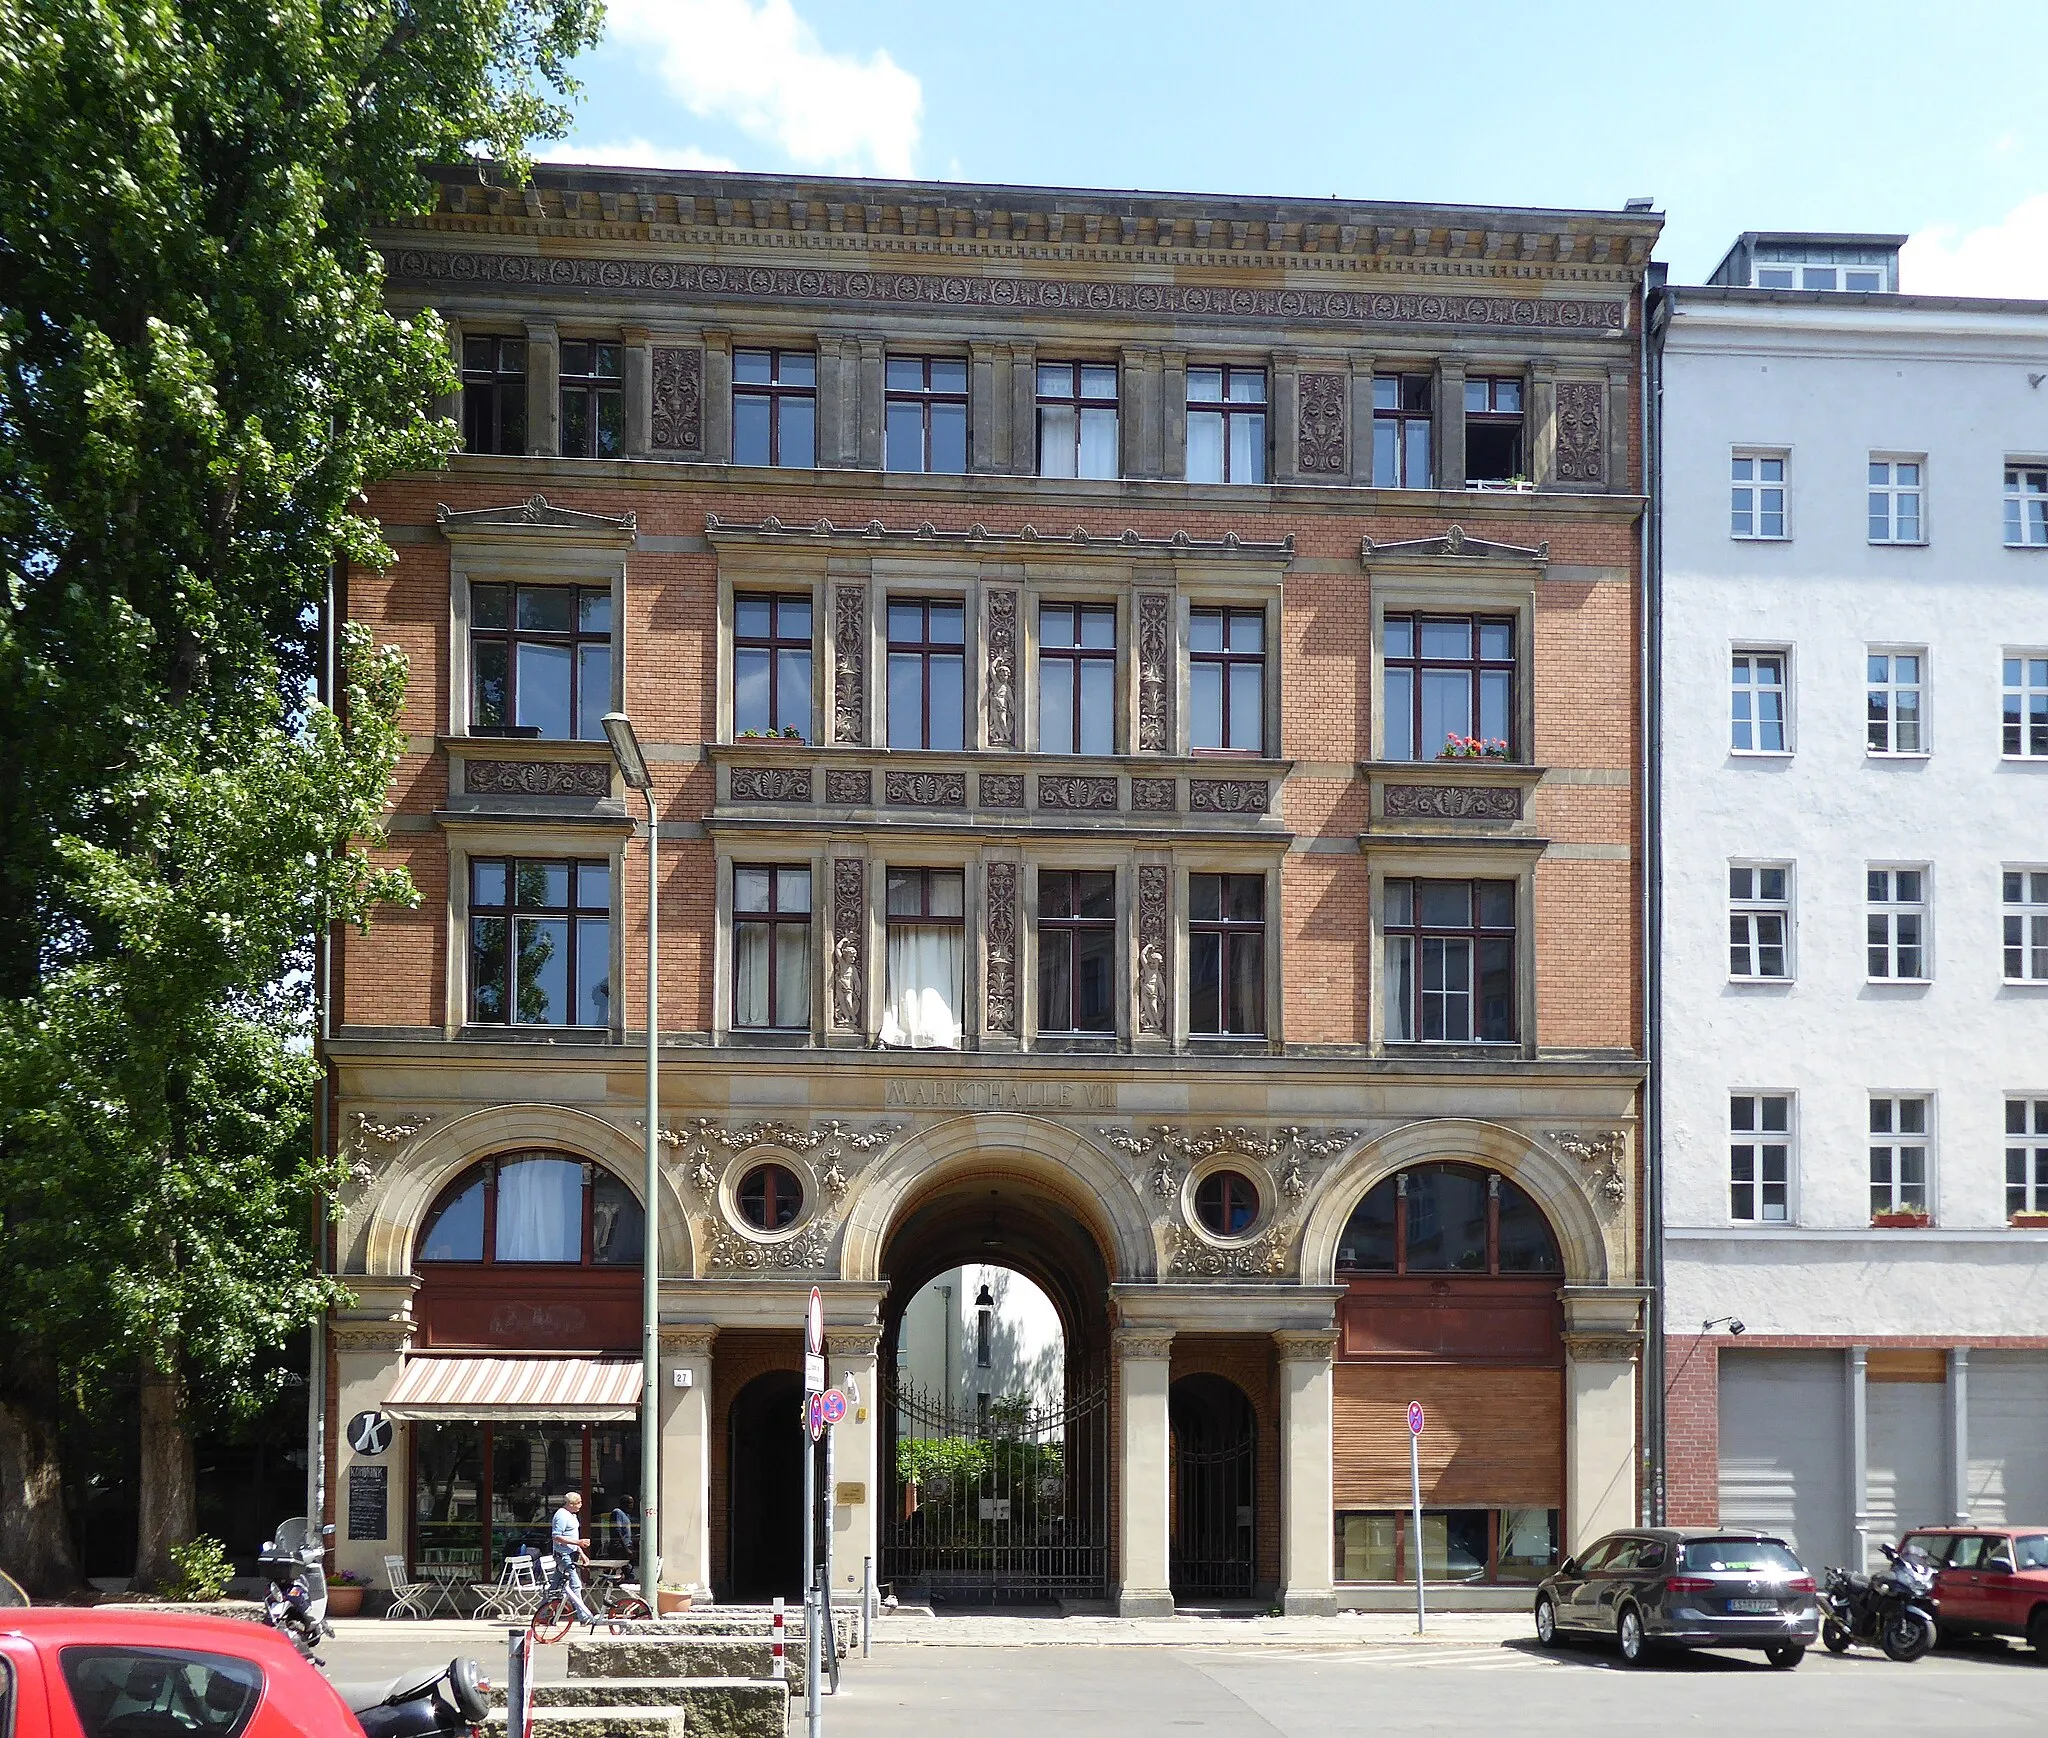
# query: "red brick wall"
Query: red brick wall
1692,1429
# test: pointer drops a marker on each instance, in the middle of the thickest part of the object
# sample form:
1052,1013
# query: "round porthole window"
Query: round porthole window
1226,1203
769,1197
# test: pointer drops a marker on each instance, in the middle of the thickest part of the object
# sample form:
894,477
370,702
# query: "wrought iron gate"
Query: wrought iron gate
1213,1507
1008,1504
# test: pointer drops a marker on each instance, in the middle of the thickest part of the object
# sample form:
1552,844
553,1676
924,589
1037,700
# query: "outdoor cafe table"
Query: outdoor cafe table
446,1579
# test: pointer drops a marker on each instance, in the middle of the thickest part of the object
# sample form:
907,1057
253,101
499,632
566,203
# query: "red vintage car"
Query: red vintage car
1989,1580
123,1672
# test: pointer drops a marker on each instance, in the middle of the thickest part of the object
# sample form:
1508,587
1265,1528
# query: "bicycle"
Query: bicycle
616,1609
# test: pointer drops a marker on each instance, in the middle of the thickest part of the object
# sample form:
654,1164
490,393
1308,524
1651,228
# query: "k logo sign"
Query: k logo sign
369,1433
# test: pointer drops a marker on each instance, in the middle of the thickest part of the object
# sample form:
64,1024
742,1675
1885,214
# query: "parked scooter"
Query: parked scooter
449,1699
295,1599
1893,1609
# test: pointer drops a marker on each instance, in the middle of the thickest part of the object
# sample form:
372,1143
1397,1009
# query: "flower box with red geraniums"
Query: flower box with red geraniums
1906,1220
1458,747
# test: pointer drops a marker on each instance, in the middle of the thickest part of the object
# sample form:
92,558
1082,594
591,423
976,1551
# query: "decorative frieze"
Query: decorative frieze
1319,447
849,665
1155,670
678,398
1228,796
1143,1343
1452,802
1001,679
1192,1257
849,942
1305,1345
1152,937
536,778
771,784
926,790
854,787
1001,790
1159,796
1002,947
537,510
1454,545
731,1251
1581,439
927,535
1072,791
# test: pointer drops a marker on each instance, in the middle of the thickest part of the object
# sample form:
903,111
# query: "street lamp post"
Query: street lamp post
618,730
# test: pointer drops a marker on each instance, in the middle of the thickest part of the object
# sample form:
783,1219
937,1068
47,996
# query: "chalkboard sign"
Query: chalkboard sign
369,1501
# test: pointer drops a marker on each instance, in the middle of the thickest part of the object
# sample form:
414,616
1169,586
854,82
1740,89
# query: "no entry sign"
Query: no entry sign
814,1415
1415,1418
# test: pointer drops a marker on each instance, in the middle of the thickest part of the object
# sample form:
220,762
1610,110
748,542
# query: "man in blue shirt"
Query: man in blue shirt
567,1539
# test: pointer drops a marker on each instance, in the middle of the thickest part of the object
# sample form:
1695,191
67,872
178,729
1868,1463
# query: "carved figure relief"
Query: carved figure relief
771,784
1228,796
537,778
1581,442
678,399
1453,802
849,933
1155,665
1152,948
849,668
1057,791
1002,669
1002,947
1320,434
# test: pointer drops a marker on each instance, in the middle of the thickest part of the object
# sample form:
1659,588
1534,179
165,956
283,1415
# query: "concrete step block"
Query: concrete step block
705,1656
603,1722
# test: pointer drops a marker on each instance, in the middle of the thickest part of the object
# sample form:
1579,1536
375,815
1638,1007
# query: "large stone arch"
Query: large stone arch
1027,1147
401,1196
1552,1182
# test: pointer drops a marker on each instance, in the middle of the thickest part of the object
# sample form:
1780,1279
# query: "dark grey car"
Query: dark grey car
1684,1587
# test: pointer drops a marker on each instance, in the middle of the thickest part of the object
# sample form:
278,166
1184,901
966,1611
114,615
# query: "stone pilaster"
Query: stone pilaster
1602,1340
718,398
449,404
857,1473
1448,434
543,389
1307,1469
685,1518
1361,421
873,411
1144,1437
1173,414
1023,410
368,1354
639,391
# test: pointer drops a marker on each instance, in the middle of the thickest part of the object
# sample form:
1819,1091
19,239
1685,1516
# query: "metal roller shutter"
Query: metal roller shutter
2008,1425
1905,1457
1494,1437
1785,1450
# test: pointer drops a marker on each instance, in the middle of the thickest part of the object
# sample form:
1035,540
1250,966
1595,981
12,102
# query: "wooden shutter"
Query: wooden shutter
1494,1436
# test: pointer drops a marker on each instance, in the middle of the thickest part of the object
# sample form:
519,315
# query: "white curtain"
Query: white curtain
540,1210
750,974
923,1007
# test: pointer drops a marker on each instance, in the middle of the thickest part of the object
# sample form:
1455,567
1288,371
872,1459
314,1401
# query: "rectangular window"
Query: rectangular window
1899,1149
927,415
1227,681
1450,961
1450,687
2026,1156
1076,950
1077,678
771,946
1400,432
593,400
2025,687
2026,506
1757,495
2026,926
1759,915
1896,500
1756,703
1077,419
1493,428
1896,923
927,673
1227,956
1226,425
494,395
1895,702
775,407
540,942
926,912
1760,1158
540,660
771,665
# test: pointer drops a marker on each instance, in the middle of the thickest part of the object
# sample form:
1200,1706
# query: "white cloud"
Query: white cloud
634,154
2009,258
758,65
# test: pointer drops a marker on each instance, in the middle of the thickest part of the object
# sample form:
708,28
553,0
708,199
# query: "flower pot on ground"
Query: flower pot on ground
668,1600
344,1601
1899,1221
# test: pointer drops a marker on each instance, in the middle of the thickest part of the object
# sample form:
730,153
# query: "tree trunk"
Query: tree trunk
165,1510
35,1533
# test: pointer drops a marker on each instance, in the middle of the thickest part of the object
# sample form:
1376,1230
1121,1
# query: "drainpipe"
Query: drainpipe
1658,304
316,1374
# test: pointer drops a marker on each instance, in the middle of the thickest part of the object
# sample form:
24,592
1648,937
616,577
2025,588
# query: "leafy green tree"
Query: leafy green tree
198,377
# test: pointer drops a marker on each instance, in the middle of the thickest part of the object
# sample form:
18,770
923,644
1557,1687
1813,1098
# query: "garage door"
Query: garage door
1785,1450
2008,1438
1906,1458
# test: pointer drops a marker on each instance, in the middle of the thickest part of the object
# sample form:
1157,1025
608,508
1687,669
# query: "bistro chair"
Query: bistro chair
513,1594
406,1596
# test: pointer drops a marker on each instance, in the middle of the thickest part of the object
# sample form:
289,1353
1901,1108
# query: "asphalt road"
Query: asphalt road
1512,1688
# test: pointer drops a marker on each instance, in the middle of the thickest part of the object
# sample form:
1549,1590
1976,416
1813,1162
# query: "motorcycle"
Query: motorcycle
1893,1609
295,1594
447,1699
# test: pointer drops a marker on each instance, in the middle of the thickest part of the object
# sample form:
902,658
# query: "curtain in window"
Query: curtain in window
540,1210
751,942
923,1007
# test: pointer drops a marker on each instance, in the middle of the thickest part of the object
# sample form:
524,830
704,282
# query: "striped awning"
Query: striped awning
563,1390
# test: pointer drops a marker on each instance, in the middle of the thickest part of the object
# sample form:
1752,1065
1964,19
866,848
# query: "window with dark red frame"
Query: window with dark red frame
771,946
1077,426
1077,950
1227,956
1226,1202
593,385
927,673
771,665
1401,431
1493,428
540,942
1448,1218
1450,961
1077,678
927,415
540,659
494,395
536,1207
770,1197
775,407
1227,681
1450,687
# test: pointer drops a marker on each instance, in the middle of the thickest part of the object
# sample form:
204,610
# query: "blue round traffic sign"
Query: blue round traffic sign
1415,1418
834,1404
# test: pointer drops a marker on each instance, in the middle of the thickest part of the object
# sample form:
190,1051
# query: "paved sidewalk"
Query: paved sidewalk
1348,1630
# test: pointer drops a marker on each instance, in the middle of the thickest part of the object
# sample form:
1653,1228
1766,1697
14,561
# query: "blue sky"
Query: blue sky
1803,114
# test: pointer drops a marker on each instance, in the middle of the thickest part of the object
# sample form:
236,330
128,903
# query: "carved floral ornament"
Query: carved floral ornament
361,1171
1603,1157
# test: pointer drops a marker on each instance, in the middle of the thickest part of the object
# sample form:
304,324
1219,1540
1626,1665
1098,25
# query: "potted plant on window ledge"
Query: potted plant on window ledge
1901,1219
2029,1221
1458,747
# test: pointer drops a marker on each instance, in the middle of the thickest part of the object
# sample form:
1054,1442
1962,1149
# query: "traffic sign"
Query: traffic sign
1415,1418
814,1327
814,1415
369,1433
834,1405
814,1373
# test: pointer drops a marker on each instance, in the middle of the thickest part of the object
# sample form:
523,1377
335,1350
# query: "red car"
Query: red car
121,1672
1989,1580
